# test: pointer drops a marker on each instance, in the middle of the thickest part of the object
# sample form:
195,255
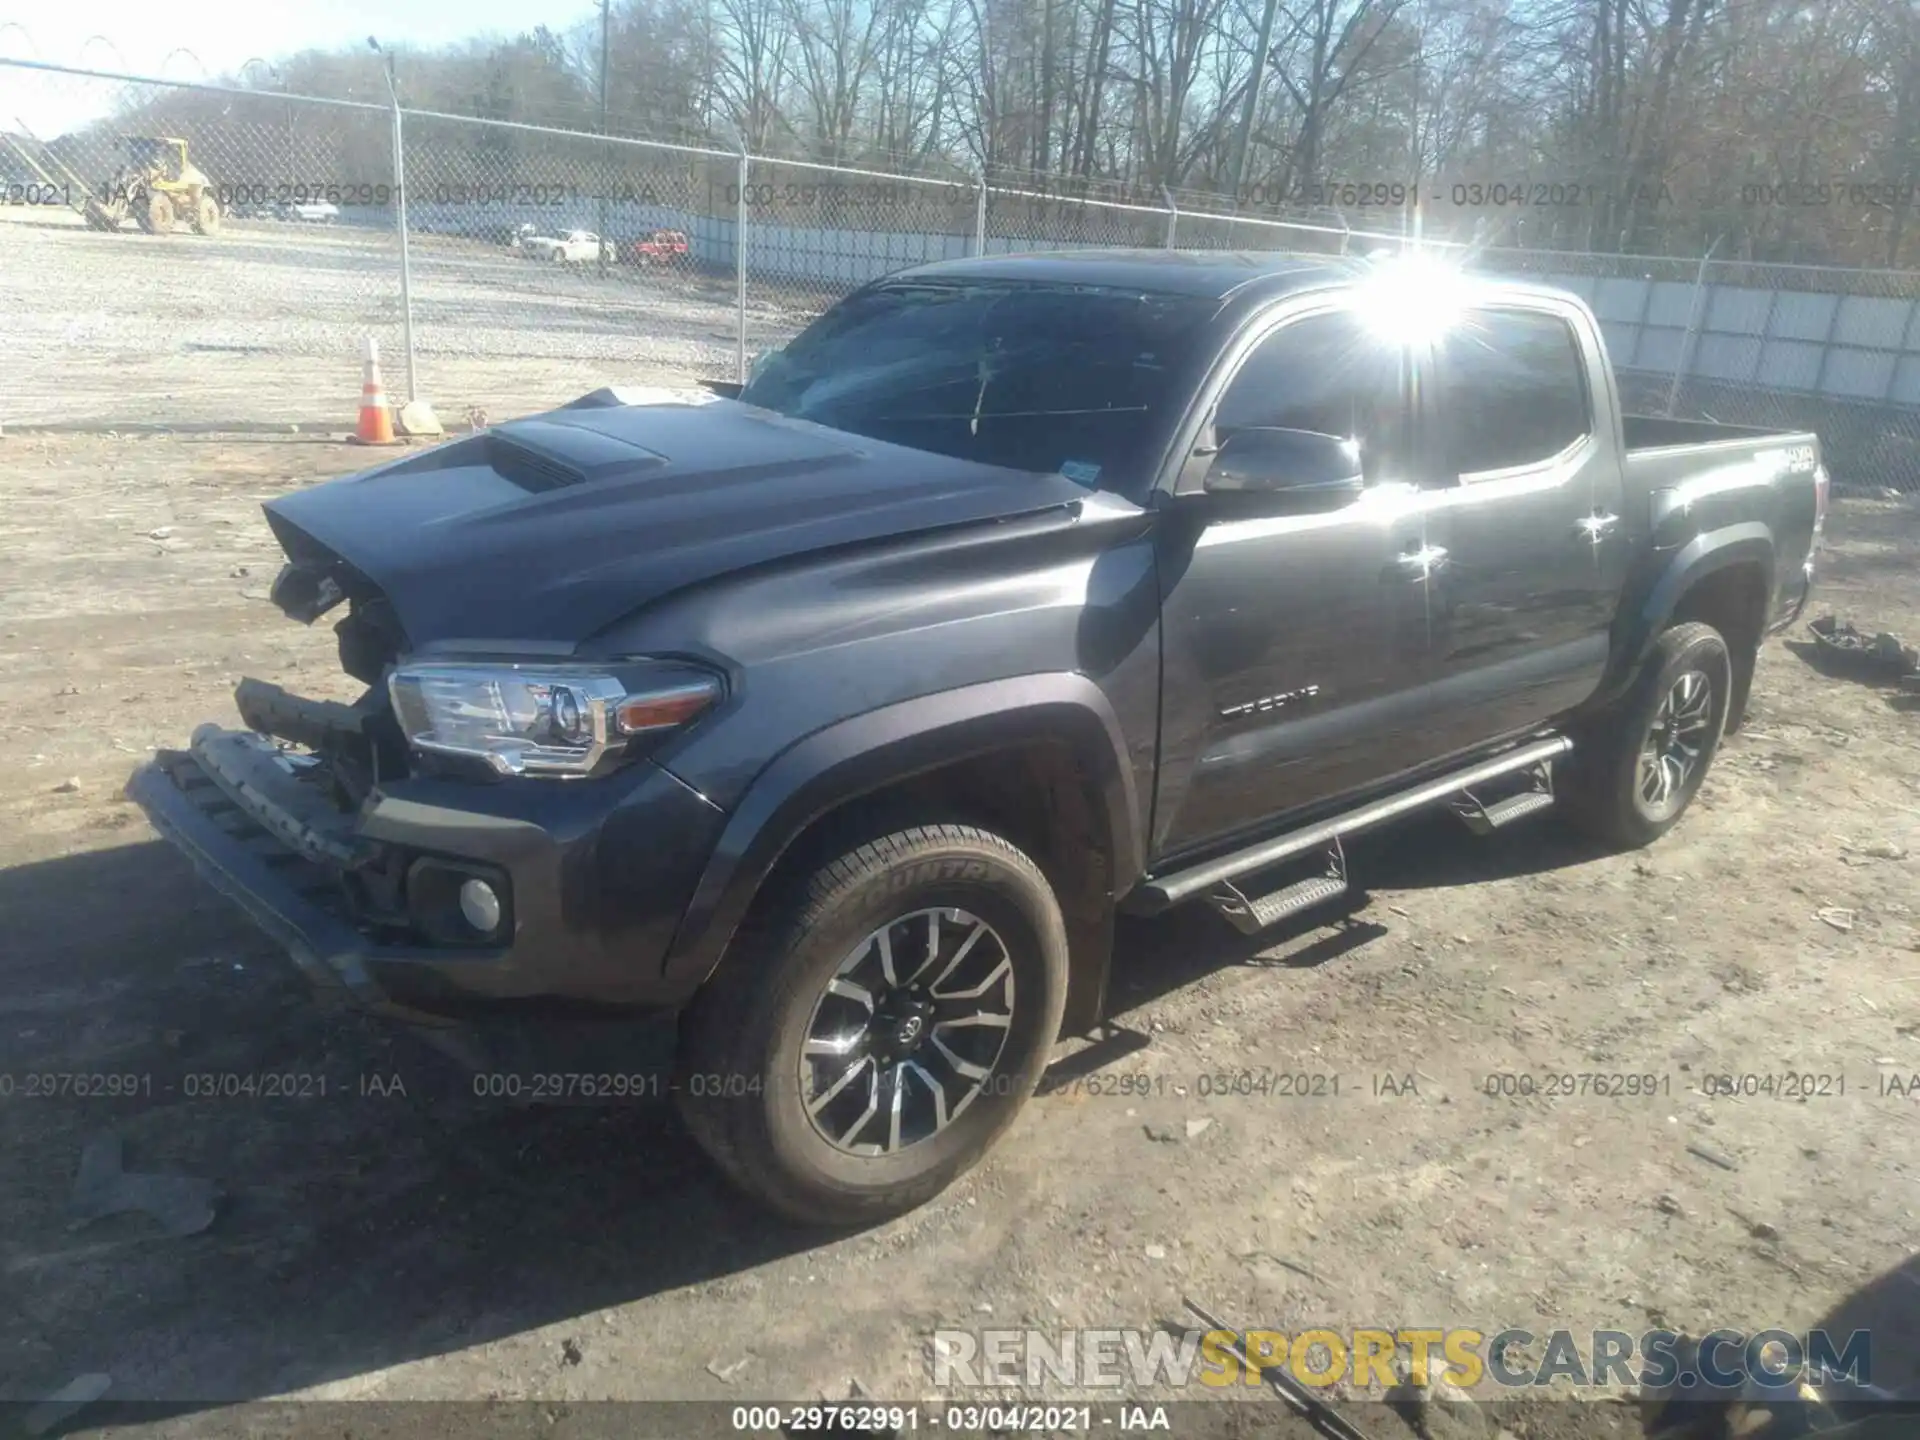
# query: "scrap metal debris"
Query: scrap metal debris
1701,1152
1310,1407
183,1204
1882,655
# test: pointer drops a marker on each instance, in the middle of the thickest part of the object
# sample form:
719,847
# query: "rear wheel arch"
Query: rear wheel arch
1732,598
1038,759
1723,579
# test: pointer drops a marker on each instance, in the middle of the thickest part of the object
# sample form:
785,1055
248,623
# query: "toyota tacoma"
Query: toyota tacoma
841,712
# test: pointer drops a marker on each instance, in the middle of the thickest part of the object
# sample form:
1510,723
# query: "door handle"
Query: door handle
1421,561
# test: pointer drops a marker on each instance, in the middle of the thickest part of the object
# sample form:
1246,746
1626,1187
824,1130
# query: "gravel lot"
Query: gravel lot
261,326
388,1245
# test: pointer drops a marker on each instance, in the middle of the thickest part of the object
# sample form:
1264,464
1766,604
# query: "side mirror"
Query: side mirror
1267,461
760,362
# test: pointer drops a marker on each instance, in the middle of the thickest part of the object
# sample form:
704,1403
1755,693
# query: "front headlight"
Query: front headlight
543,719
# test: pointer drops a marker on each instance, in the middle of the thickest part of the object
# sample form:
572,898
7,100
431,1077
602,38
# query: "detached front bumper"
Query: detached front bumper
594,875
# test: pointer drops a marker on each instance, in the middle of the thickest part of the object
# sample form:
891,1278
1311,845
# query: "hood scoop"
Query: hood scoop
542,455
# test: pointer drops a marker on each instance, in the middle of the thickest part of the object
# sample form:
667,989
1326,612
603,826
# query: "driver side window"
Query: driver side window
1324,373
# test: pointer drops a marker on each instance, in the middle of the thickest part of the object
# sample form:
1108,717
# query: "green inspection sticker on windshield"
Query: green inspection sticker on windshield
1081,472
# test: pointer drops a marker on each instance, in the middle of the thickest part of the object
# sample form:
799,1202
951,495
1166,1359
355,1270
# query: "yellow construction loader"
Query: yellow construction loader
157,186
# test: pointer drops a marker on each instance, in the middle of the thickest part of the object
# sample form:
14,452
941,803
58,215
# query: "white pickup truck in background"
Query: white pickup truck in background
311,212
576,245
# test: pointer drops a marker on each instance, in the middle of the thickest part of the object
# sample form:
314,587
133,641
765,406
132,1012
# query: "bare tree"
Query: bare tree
1658,122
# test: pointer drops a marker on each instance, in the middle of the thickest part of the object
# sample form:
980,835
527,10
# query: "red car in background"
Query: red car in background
662,247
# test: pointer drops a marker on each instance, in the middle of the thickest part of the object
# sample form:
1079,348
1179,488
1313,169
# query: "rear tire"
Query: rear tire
206,215
1637,767
868,1039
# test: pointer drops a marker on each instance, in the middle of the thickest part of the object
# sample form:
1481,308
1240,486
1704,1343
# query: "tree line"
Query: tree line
1773,129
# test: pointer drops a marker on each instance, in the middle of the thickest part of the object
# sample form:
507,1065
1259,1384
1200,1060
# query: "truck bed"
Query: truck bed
1697,477
1660,432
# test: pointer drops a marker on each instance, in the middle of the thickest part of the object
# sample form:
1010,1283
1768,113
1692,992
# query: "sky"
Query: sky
140,37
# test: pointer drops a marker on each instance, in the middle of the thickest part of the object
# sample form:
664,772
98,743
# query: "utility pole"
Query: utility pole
606,152
1244,134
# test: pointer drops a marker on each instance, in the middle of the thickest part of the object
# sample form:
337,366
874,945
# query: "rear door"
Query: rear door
1523,521
1295,624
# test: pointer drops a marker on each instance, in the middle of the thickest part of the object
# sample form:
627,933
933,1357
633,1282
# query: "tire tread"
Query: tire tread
713,1026
1592,800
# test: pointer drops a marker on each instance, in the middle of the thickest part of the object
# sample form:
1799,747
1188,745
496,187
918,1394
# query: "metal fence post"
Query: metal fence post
740,268
980,217
1906,344
400,223
1173,217
1693,324
1826,345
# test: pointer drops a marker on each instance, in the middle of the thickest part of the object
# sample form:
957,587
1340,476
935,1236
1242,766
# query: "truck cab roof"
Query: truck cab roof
1206,274
1243,278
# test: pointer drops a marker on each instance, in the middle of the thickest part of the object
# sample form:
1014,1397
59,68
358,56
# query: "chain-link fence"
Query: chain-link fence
528,264
542,262
814,233
134,294
1832,350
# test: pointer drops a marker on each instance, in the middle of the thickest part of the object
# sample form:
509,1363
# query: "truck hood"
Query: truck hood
550,528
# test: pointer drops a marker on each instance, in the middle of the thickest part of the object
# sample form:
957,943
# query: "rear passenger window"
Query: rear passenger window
1516,390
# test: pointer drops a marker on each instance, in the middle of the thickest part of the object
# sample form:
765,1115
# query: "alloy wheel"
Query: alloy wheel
908,1031
1670,754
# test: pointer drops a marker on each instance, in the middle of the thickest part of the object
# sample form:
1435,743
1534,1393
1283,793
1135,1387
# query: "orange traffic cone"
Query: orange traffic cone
376,421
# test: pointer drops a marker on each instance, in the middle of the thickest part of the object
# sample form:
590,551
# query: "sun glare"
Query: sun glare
1412,299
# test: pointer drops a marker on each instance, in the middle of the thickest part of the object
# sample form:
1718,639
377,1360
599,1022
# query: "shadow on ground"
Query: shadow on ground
1427,851
376,1209
1869,1337
381,1205
1897,691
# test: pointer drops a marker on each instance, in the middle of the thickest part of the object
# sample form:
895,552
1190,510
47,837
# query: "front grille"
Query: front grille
317,883
360,744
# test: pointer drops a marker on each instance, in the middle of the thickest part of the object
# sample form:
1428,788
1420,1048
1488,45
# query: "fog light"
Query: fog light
480,906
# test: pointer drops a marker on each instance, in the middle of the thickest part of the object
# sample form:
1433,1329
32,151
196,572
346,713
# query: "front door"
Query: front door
1295,624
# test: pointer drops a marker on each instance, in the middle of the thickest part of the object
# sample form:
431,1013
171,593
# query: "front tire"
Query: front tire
156,214
870,1037
1640,764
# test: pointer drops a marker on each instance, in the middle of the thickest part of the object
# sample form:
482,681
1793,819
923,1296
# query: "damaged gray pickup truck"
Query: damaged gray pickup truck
842,715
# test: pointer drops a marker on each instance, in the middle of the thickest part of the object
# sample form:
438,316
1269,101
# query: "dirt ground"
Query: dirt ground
399,1238
260,328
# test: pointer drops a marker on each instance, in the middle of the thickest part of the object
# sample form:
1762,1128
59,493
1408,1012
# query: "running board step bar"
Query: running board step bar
1163,891
1251,916
1484,818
